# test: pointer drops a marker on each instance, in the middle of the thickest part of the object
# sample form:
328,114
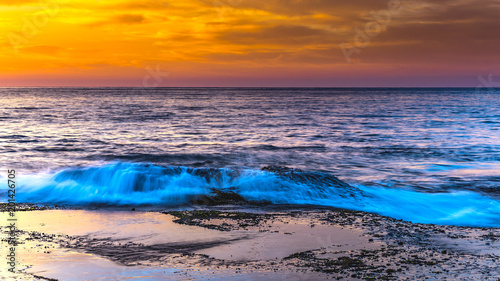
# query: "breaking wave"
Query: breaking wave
146,184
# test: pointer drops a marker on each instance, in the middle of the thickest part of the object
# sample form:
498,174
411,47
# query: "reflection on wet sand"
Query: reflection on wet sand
253,245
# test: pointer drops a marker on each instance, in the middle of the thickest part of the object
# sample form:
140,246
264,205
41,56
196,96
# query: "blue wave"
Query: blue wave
146,184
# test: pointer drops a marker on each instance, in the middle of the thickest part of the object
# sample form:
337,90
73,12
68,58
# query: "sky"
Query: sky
250,43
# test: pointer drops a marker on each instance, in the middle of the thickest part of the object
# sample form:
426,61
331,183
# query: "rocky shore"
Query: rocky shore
251,243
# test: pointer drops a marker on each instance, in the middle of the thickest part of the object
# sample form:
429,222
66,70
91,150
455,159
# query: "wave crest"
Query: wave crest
146,184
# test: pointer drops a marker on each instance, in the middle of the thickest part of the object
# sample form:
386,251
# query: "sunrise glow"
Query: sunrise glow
248,43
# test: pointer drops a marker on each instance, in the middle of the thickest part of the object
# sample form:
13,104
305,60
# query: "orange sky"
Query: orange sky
147,43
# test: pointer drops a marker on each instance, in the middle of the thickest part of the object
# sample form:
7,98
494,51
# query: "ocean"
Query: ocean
422,155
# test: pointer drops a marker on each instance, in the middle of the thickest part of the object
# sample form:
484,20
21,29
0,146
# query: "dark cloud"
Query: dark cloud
280,34
305,7
130,19
432,32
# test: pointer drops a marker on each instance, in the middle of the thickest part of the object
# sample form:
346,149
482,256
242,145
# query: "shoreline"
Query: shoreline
252,242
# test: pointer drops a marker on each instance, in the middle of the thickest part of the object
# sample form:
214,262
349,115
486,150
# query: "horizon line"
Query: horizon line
266,87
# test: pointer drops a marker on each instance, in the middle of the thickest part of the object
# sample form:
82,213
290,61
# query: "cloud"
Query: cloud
43,49
17,2
279,34
129,19
197,36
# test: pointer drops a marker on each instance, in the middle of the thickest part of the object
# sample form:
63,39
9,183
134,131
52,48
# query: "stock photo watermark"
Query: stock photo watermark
380,20
487,83
223,6
154,77
32,25
11,220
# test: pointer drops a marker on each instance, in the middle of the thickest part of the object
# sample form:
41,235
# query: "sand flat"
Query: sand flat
263,245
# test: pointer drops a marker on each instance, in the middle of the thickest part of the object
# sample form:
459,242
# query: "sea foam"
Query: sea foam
146,184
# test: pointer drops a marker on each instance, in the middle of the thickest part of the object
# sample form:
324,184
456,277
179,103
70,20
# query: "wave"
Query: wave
146,184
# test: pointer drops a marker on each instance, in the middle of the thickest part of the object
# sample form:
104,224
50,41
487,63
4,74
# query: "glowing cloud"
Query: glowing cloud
248,43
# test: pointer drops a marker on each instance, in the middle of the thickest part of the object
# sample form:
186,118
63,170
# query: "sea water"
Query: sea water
423,155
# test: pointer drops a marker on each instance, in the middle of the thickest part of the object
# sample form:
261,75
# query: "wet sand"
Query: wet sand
245,243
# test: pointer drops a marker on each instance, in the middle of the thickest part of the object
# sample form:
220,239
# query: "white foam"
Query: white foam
138,184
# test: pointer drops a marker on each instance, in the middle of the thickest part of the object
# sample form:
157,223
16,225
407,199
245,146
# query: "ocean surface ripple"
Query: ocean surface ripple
428,155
